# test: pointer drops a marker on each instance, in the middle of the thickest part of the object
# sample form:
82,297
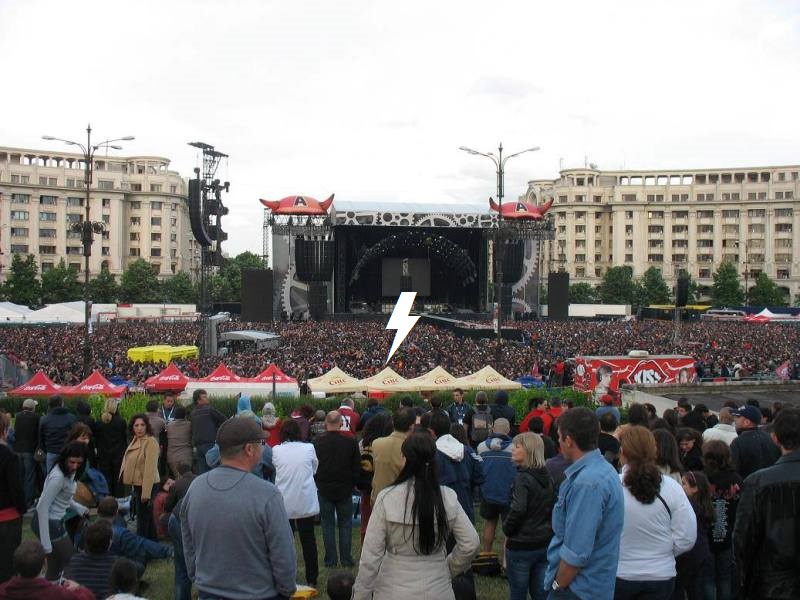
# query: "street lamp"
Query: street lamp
746,271
500,165
87,229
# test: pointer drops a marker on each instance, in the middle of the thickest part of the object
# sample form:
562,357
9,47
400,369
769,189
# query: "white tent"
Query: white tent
10,312
767,313
56,313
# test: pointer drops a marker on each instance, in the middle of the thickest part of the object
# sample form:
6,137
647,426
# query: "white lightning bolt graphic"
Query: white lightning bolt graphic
401,321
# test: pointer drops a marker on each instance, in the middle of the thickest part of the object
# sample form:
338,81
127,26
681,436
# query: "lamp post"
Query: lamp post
87,229
746,272
500,166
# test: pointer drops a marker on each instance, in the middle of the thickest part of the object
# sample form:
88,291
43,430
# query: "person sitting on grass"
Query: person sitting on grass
124,581
92,568
29,560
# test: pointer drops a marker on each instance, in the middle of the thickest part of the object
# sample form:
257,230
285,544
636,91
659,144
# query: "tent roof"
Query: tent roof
250,336
487,379
95,384
17,308
387,380
266,376
170,379
38,385
335,381
222,374
55,313
435,379
766,313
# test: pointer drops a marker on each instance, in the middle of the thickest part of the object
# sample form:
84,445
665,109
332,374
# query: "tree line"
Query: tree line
139,283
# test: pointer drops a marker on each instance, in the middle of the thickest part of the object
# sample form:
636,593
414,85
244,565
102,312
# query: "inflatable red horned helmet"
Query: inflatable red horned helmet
298,205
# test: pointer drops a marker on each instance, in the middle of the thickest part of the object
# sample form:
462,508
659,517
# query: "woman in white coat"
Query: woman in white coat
295,463
404,556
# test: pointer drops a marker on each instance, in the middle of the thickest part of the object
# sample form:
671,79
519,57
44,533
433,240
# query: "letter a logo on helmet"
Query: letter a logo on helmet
521,207
300,201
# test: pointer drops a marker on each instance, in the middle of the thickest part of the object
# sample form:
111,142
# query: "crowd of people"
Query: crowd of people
685,504
359,347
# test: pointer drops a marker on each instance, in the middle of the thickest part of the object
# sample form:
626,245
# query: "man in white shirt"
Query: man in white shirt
724,430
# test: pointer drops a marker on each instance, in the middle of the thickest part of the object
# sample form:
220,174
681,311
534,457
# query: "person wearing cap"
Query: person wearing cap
607,406
250,536
498,472
26,425
752,449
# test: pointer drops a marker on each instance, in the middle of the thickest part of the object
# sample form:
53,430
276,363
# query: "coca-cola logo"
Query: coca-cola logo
648,372
93,387
36,388
170,377
220,378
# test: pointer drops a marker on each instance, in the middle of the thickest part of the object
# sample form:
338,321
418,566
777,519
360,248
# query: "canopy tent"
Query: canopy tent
262,339
11,312
283,383
765,316
56,313
335,381
38,385
95,384
436,379
387,380
224,382
169,380
486,379
144,353
222,374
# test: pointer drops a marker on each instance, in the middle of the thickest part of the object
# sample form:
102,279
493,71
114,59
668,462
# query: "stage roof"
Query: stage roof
411,207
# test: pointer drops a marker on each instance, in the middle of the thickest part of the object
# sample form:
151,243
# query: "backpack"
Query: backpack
482,423
367,470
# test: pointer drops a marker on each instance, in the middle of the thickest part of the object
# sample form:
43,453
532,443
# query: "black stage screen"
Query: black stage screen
406,275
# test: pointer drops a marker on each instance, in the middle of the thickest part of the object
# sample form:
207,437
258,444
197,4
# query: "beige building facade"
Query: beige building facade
677,219
141,203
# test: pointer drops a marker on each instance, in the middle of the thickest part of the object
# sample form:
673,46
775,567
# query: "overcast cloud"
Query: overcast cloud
371,100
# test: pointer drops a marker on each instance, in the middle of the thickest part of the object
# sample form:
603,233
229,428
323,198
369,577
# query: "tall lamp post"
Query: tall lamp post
746,272
500,166
87,228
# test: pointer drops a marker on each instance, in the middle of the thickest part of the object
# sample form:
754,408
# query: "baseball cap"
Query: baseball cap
748,412
607,399
239,430
29,403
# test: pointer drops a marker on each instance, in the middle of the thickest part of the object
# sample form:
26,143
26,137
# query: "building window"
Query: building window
580,258
134,237
136,205
104,184
46,266
756,228
562,199
155,221
74,218
173,189
680,229
173,237
678,258
14,178
155,205
47,233
19,232
155,252
730,229
655,229
580,228
783,212
730,214
134,252
756,212
705,243
48,200
628,214
783,243
74,250
629,258
597,199
107,219
655,214
173,222
705,214
783,273
155,237
579,198
628,229
136,187
680,243
136,220
680,214
21,215
629,197
47,249
655,258
680,197
655,197
106,235
705,229
705,257
20,198
783,227
42,180
71,201
155,187
562,229
106,202
783,258
580,272
106,251
19,248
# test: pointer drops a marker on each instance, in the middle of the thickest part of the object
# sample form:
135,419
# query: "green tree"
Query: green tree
22,286
219,288
140,284
617,286
655,289
179,289
766,292
726,290
231,270
60,284
104,288
581,293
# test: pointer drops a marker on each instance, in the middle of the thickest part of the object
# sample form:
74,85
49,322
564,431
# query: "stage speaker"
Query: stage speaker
505,300
313,259
682,295
317,299
513,260
257,295
196,214
558,296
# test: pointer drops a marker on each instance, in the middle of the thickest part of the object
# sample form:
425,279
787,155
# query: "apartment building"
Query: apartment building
141,203
677,219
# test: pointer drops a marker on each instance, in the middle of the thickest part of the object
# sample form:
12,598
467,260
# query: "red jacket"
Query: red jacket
22,588
545,416
350,419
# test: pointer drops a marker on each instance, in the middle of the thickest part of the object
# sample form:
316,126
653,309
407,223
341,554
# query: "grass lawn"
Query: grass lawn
159,574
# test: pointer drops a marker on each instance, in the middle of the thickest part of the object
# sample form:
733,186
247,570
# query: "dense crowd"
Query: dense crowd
682,505
308,349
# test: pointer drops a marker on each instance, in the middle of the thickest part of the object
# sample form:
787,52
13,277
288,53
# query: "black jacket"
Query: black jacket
111,439
752,450
205,422
26,428
504,411
339,465
54,428
766,542
692,460
694,420
527,524
11,492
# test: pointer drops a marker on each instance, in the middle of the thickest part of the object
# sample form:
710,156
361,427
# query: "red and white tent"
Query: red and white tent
224,382
169,380
266,376
222,374
38,385
95,384
765,316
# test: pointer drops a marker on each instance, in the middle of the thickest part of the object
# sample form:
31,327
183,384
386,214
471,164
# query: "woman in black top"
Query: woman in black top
690,443
111,440
527,523
12,503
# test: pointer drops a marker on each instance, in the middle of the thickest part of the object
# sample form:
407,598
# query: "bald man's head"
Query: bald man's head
333,421
725,416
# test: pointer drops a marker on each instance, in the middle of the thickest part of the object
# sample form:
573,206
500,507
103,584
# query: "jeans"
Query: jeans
695,581
525,572
724,574
200,464
28,471
643,590
10,538
52,459
308,542
63,549
183,585
330,512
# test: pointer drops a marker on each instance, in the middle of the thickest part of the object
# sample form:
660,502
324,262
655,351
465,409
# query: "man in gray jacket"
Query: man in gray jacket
236,536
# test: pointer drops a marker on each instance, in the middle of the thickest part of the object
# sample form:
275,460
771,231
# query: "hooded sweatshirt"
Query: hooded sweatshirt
498,469
459,469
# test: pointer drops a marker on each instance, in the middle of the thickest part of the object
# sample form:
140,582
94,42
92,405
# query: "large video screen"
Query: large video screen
406,275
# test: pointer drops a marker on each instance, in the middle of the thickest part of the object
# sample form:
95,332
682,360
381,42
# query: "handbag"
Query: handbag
40,455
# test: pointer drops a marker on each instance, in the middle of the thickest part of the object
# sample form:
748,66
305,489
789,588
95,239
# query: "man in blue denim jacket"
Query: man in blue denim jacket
587,519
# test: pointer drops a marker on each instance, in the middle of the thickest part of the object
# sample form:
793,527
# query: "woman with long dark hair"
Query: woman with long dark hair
667,457
659,522
695,568
690,442
140,470
57,496
111,438
404,556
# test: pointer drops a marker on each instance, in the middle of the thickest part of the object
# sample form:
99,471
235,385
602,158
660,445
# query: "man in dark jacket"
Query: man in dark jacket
752,449
26,425
501,410
337,473
498,473
373,408
766,537
691,417
54,428
205,423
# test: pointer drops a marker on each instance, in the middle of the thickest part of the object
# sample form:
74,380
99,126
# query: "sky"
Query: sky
371,100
